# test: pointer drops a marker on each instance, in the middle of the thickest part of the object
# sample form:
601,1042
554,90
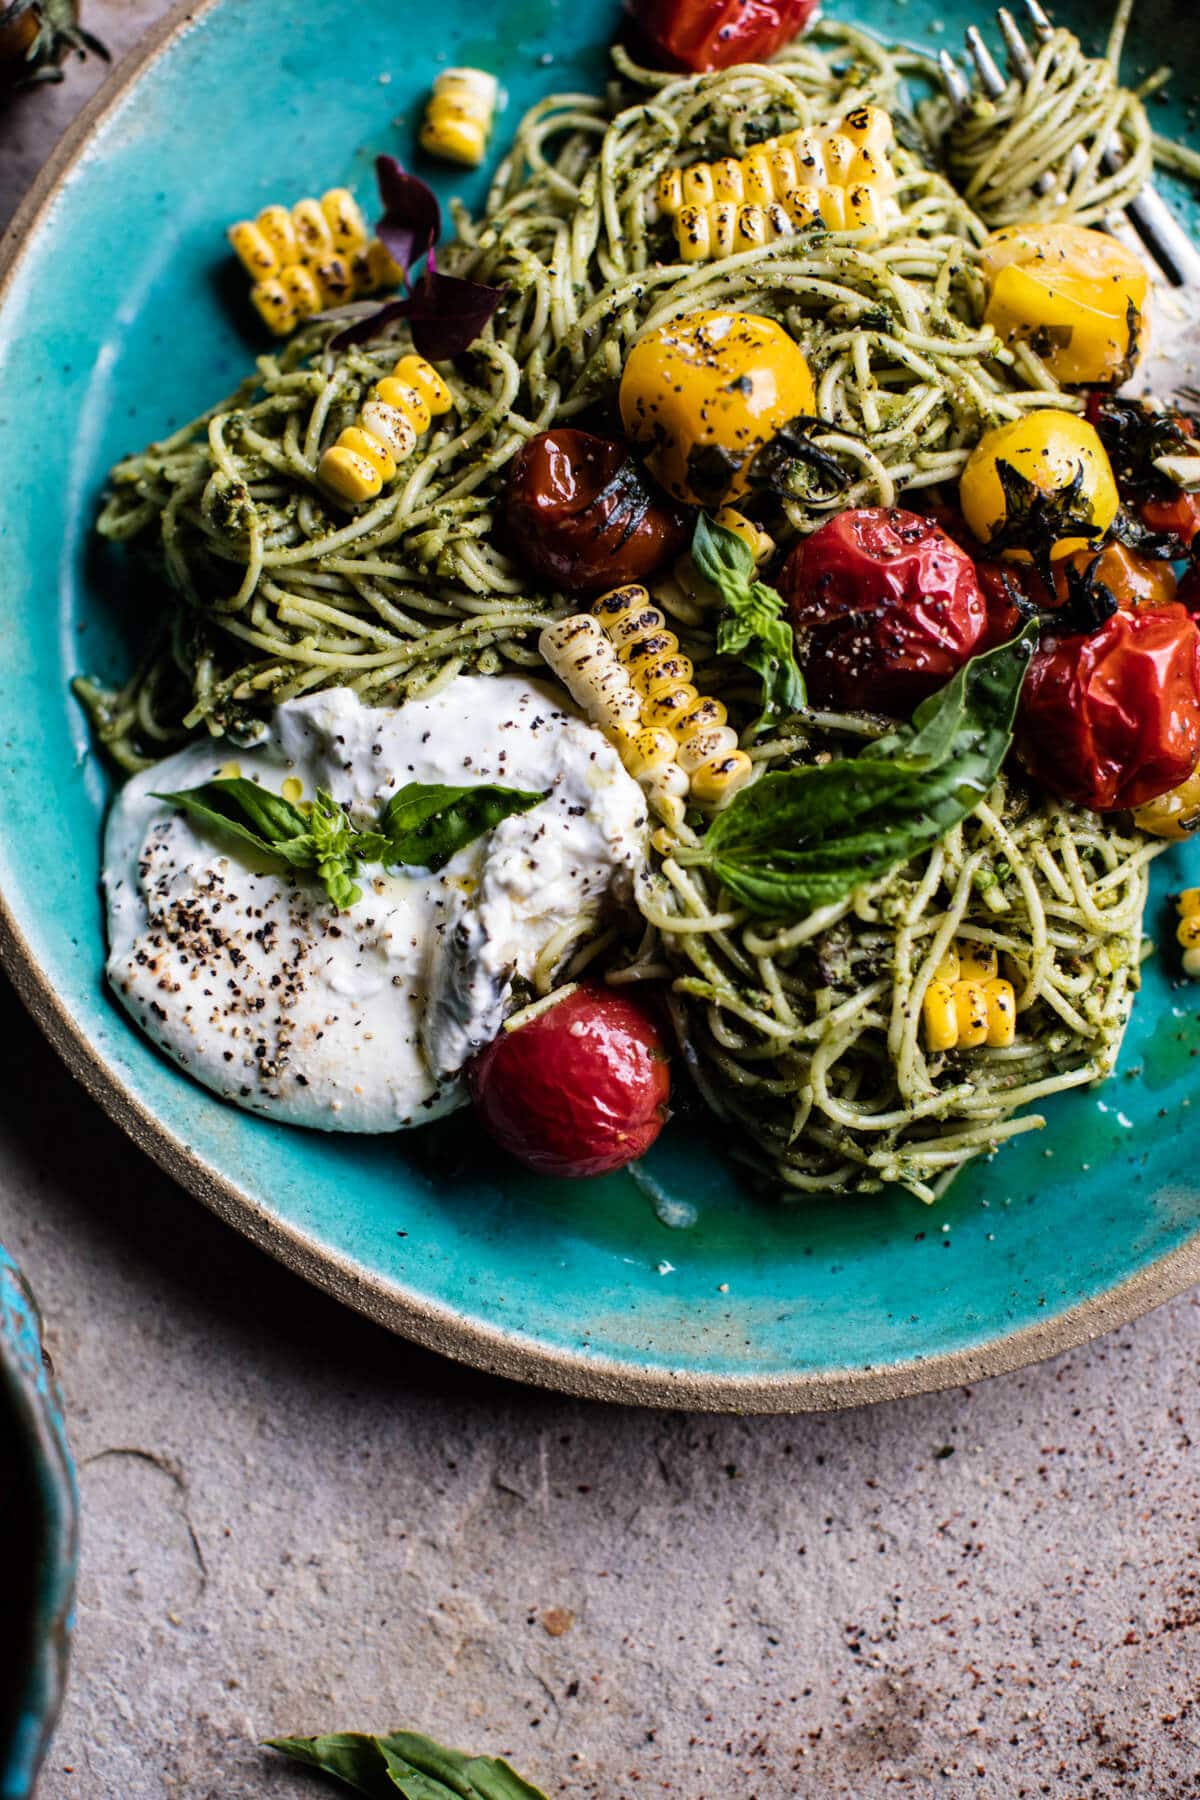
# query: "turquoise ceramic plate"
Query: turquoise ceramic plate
39,1535
113,324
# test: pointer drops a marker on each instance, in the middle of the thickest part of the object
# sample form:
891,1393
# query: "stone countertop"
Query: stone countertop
296,1523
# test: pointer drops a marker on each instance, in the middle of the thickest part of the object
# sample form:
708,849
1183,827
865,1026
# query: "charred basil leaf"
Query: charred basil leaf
1035,521
1135,435
793,465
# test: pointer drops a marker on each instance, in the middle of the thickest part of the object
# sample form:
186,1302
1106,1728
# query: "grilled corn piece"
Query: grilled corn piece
841,178
968,1004
460,114
313,255
399,410
1187,932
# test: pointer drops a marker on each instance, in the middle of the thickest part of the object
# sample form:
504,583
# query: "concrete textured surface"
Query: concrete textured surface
294,1523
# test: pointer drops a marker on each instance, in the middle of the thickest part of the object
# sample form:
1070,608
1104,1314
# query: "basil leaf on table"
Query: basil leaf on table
803,838
751,625
404,1762
426,824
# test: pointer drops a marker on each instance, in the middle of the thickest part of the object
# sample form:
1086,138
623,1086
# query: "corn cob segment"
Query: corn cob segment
398,411
459,116
842,178
968,1004
1187,932
310,256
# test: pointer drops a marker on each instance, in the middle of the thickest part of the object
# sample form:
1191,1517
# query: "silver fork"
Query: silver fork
1148,213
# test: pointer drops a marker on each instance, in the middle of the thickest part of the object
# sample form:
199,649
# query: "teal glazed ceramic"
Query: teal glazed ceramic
39,1527
117,322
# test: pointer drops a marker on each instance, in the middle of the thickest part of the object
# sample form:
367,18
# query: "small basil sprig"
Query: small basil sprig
404,1762
807,837
423,826
751,626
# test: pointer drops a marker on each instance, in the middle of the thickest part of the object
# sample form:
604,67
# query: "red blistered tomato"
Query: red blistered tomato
582,1089
885,608
1112,719
584,516
1180,516
1131,579
714,34
1189,589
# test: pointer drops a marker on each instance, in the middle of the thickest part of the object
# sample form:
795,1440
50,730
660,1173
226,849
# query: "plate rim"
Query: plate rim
434,1325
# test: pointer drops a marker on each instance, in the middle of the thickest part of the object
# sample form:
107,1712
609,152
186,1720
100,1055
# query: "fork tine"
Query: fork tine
990,78
1019,59
1039,18
957,85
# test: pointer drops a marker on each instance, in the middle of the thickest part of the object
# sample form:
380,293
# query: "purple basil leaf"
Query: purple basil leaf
411,222
448,313
365,328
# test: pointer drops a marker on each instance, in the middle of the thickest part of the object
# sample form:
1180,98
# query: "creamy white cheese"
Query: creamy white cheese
362,1021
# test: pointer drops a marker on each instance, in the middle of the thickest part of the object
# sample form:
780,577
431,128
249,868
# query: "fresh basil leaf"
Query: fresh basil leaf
338,850
807,837
751,625
349,1756
404,1762
256,817
428,823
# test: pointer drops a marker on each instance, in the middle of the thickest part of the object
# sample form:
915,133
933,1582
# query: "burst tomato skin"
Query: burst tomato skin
1111,719
1189,589
583,515
714,34
1179,516
1133,581
885,606
581,1089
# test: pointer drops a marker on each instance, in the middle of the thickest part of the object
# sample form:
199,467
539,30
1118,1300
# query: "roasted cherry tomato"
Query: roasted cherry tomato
705,392
1189,589
714,34
1136,434
1040,486
1077,296
583,515
19,26
1111,719
885,608
1131,579
582,1089
1180,516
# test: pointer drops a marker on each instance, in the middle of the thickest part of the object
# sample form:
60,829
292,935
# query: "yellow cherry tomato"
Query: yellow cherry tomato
1077,296
705,393
1175,814
1056,464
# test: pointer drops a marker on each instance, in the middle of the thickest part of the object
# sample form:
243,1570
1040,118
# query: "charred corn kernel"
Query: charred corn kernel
583,659
349,476
760,543
724,381
422,375
1189,903
344,217
664,674
1187,932
977,962
459,116
392,427
275,307
1175,814
704,716
363,443
940,1016
386,431
706,746
254,250
651,749
970,1004
335,279
313,234
670,705
407,399
633,625
715,783
380,271
300,286
293,790
646,647
275,223
1001,1004
1059,453
1078,296
842,176
967,1004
